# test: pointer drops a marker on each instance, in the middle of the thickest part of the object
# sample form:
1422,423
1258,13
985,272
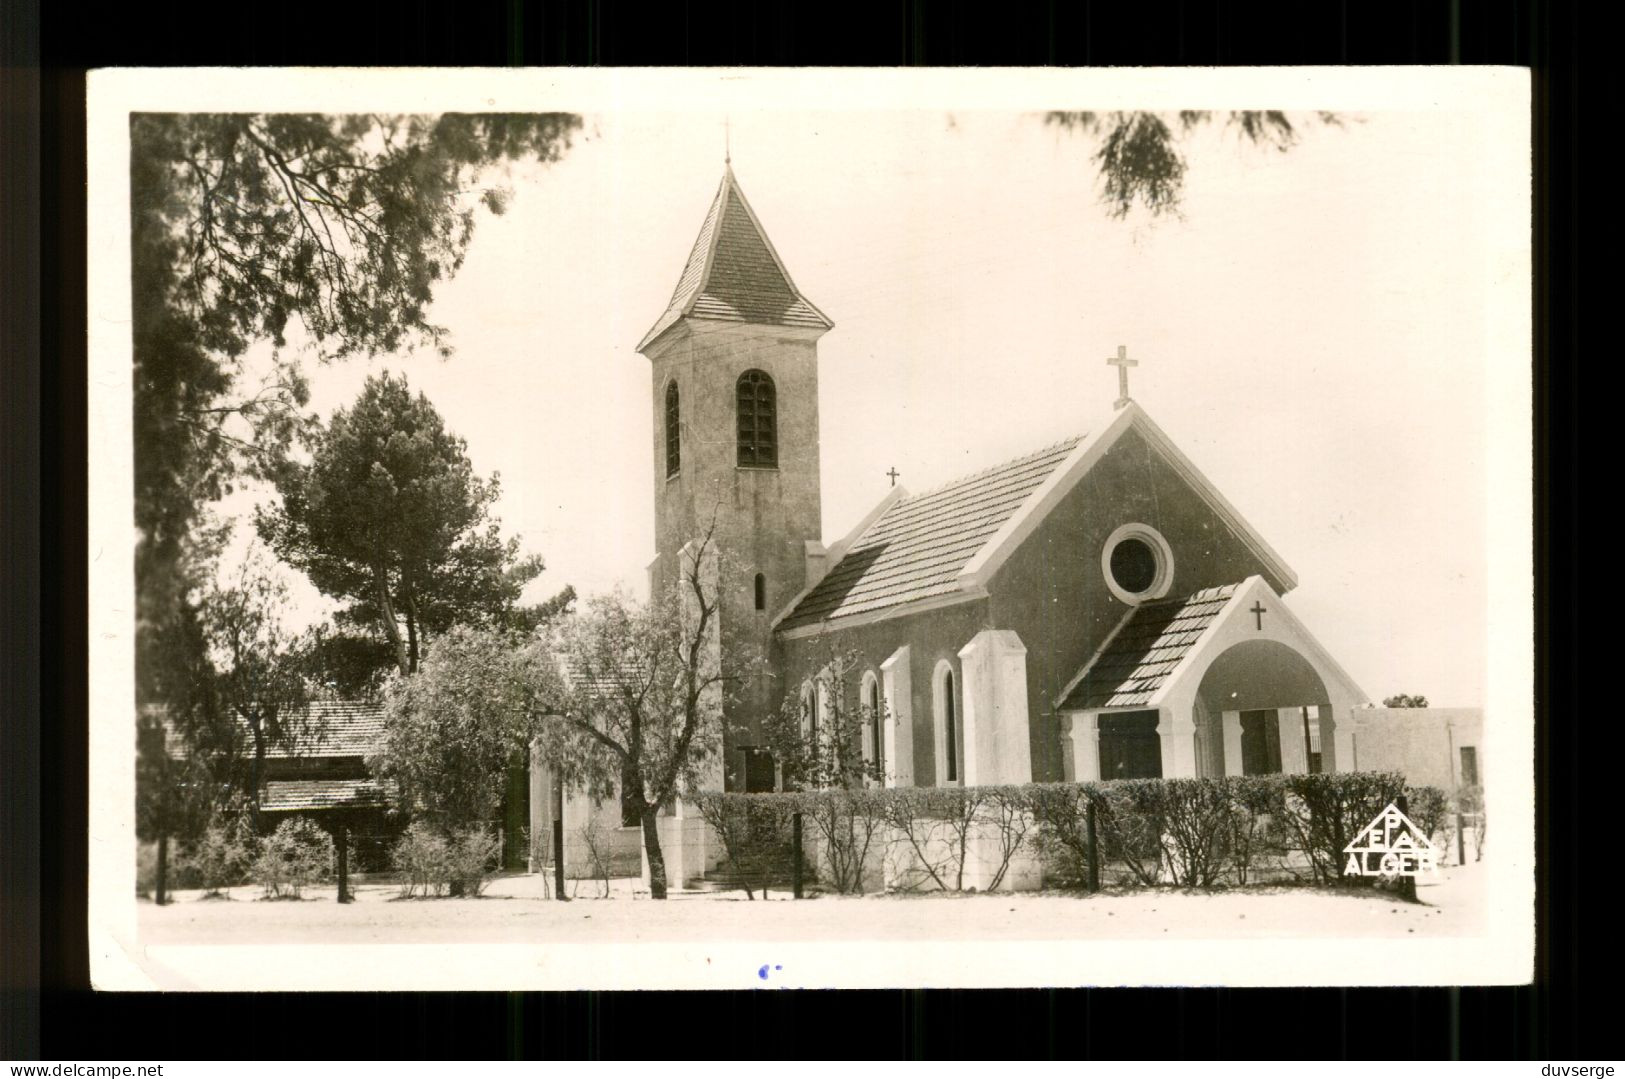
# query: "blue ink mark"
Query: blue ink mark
762,973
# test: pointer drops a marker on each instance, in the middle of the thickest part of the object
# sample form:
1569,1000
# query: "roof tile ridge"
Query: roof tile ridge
1009,463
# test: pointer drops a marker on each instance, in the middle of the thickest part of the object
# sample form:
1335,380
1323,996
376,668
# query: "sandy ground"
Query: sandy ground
514,909
510,936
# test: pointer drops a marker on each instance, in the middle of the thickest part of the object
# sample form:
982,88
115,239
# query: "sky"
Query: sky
1313,332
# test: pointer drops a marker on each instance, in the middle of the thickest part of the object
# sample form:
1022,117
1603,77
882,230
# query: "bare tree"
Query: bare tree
643,699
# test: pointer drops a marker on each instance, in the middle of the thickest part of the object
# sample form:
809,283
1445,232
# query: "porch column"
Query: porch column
897,684
1178,732
1082,746
1232,743
997,747
1294,755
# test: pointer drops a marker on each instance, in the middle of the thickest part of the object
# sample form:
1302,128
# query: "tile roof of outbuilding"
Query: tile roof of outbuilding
337,728
917,548
1146,648
300,794
734,275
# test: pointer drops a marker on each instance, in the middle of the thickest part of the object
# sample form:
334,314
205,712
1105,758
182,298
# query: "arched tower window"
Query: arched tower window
674,442
758,421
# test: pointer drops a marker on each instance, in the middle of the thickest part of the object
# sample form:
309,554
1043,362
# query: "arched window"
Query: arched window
875,735
674,441
758,421
947,719
761,592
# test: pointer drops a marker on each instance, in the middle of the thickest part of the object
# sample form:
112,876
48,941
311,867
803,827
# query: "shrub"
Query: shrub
1130,819
423,859
431,863
294,856
1061,812
1195,838
755,834
219,858
1255,827
474,856
1428,808
146,870
1325,811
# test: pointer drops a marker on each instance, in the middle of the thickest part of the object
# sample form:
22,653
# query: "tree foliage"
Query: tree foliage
818,733
244,226
390,515
456,725
259,672
1139,158
1405,700
643,697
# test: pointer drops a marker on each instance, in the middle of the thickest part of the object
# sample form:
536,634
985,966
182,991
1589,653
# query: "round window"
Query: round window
1134,565
1138,563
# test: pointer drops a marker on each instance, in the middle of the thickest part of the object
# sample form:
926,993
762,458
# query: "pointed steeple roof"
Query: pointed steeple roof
734,275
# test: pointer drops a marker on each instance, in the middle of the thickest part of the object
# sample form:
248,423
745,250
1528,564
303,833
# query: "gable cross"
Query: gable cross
893,473
1258,610
1122,363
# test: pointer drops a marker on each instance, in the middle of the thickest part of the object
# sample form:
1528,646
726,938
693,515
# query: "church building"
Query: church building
1094,609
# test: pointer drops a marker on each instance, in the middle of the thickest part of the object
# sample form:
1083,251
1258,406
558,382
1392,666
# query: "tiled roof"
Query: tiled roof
1145,650
917,548
296,794
733,275
337,728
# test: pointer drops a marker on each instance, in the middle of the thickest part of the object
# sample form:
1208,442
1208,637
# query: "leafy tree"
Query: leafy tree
643,697
1405,700
1139,157
390,515
259,670
242,226
455,726
818,733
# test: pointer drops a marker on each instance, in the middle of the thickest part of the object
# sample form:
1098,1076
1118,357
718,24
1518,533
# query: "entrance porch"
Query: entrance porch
1224,682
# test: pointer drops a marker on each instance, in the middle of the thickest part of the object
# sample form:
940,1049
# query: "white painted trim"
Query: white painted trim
1221,505
1045,497
1253,588
1003,543
1203,644
837,552
1164,579
929,603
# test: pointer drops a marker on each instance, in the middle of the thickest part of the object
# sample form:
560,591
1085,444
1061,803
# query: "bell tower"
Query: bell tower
734,384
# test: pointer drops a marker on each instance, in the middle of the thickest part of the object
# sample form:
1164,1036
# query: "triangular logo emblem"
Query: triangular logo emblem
1390,846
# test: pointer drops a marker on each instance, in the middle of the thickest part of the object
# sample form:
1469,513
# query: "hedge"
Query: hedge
1196,833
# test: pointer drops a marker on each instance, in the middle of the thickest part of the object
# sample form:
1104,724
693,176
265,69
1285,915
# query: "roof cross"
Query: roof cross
1122,363
893,473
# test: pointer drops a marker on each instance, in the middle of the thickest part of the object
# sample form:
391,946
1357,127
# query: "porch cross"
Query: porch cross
1258,610
1122,363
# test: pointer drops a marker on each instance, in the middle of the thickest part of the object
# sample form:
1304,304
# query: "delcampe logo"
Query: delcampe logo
1390,846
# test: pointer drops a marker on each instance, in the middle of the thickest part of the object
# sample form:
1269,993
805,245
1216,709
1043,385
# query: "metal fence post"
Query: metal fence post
795,854
1407,884
1094,848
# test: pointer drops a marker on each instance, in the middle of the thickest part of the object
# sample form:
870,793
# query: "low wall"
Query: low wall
1424,744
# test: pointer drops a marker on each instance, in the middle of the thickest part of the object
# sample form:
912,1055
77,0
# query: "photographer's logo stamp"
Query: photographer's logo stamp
1390,846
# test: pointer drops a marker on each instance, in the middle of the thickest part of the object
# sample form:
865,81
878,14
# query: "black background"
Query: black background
43,557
